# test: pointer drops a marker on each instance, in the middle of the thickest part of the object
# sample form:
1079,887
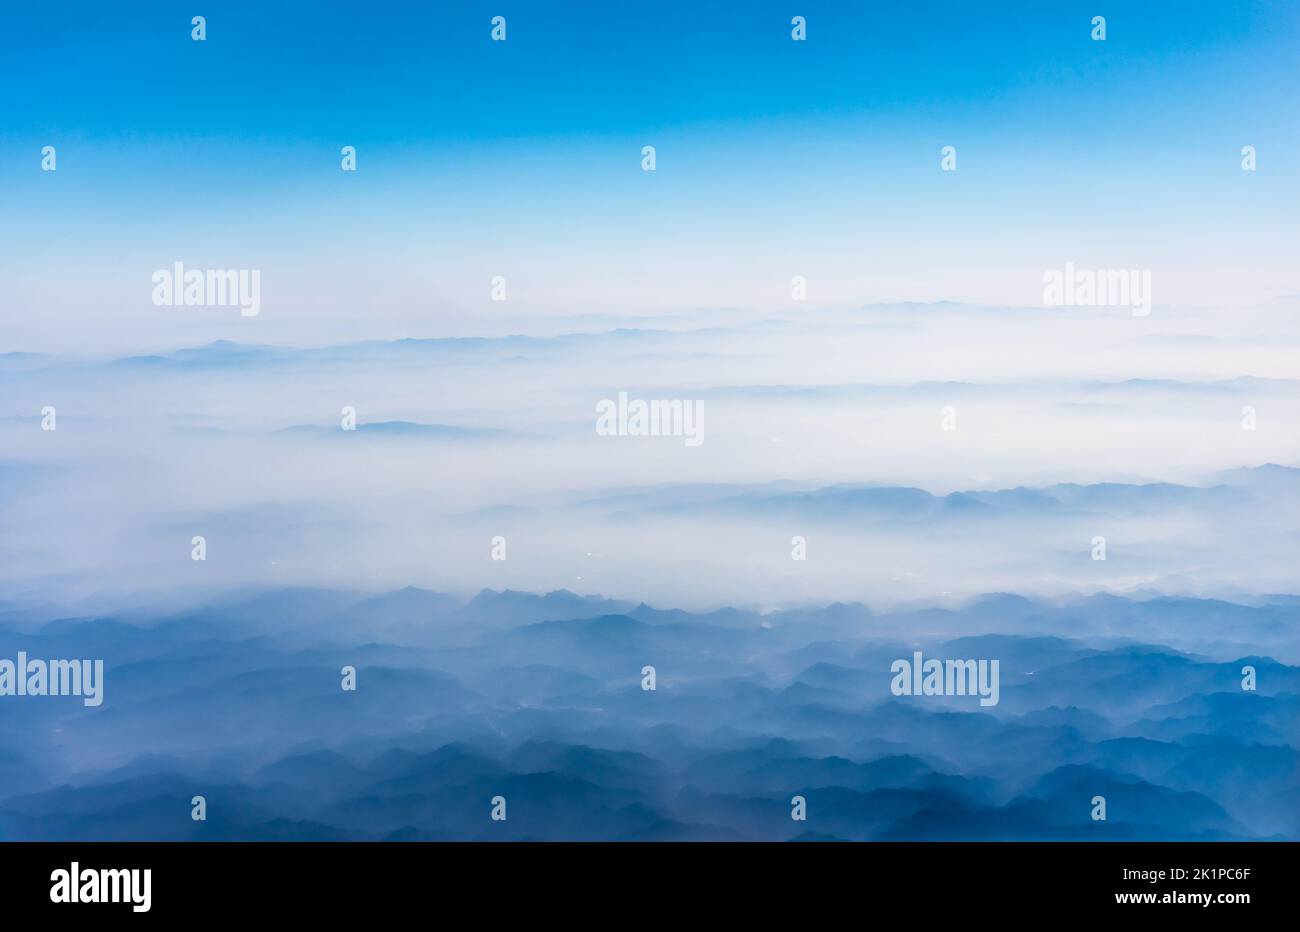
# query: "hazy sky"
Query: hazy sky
522,158
804,417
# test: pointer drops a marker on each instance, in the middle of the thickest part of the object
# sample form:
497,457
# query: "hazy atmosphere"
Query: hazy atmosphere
677,422
923,452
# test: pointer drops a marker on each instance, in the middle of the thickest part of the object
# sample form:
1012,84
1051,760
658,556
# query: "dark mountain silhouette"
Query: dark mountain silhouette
538,700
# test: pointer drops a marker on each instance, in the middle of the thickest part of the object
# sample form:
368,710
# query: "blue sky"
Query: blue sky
522,158
409,73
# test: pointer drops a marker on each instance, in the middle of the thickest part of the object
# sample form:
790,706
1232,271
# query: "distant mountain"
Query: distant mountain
541,701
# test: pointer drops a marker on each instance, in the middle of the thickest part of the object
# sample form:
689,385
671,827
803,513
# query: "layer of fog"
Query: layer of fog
243,446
